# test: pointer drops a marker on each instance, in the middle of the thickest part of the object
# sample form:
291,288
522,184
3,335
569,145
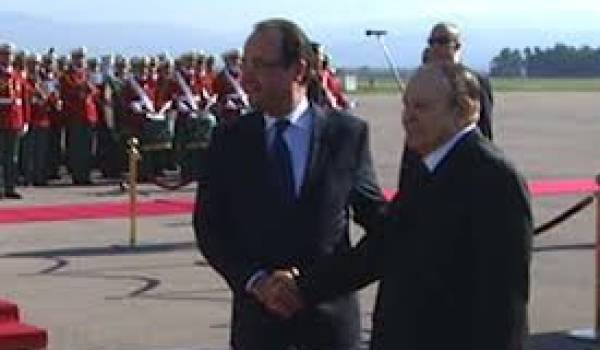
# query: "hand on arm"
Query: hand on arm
278,293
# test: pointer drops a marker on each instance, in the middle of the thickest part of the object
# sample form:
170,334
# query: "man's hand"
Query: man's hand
279,293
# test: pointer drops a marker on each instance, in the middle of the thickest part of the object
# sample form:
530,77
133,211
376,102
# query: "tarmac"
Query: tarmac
83,282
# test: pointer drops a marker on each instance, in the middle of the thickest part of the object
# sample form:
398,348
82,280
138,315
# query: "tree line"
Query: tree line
558,61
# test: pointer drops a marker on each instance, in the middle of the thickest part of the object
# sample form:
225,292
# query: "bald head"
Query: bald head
445,43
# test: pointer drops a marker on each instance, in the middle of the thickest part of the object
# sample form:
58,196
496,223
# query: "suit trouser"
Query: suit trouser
34,155
9,151
25,164
40,140
55,151
79,150
109,160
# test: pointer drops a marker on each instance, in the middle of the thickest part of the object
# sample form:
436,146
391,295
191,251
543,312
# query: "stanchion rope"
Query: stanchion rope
579,206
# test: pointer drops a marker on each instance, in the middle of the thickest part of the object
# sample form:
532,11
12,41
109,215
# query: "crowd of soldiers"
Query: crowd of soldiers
78,112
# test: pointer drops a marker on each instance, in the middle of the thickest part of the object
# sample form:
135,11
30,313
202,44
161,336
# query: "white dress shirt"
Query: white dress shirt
297,137
433,159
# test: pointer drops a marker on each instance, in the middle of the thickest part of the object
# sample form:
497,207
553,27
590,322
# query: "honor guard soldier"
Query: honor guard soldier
12,118
166,101
167,87
81,116
115,117
35,143
50,74
193,121
211,73
187,104
232,101
203,84
20,65
328,91
144,121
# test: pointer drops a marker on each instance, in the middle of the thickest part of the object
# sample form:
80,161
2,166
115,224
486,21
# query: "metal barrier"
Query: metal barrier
134,157
593,334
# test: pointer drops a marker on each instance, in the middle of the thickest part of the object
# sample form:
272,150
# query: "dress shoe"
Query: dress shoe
12,195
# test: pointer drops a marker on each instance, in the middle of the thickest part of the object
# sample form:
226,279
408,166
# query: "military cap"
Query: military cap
7,47
49,57
233,53
79,52
121,61
92,61
34,58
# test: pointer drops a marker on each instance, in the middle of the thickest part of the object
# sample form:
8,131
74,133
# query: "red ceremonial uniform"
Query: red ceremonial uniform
229,103
166,90
40,102
79,97
203,87
334,90
136,110
12,100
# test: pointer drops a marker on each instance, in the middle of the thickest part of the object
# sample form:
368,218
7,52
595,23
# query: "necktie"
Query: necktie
281,163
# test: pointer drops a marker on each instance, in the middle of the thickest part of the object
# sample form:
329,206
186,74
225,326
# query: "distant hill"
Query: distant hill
346,42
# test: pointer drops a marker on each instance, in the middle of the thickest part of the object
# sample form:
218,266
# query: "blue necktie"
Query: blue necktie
281,163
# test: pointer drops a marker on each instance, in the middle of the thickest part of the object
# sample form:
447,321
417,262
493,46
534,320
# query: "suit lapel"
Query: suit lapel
458,159
255,150
318,150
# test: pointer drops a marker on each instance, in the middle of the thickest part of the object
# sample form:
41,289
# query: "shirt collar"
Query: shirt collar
433,159
295,116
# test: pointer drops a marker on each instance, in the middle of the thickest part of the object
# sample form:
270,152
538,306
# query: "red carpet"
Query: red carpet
15,335
561,187
100,210
9,312
158,207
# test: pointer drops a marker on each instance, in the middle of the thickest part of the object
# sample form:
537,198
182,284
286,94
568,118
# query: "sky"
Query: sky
240,14
340,24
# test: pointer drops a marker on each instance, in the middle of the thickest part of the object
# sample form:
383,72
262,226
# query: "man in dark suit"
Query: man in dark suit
453,256
445,46
281,182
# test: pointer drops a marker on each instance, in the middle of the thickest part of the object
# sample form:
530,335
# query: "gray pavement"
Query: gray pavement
79,279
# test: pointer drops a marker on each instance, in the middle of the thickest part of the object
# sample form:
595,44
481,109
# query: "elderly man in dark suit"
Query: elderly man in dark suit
282,181
453,256
445,46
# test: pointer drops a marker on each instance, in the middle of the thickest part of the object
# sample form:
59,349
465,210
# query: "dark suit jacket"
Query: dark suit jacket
453,258
242,227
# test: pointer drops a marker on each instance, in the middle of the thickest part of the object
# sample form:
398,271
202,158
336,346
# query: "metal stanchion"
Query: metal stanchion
593,334
134,157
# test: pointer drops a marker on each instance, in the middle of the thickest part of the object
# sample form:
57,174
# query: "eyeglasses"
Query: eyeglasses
442,40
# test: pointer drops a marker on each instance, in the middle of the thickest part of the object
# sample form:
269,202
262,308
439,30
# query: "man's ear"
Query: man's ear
301,73
466,106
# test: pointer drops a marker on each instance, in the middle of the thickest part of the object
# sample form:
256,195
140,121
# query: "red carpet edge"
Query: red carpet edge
160,207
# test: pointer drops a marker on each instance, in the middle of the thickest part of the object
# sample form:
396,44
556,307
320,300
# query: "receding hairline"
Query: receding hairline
456,78
447,27
431,71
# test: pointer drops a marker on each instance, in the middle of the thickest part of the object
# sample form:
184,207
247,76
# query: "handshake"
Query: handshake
279,293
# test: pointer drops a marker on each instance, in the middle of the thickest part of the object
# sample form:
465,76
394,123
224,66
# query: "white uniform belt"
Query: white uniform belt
10,101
